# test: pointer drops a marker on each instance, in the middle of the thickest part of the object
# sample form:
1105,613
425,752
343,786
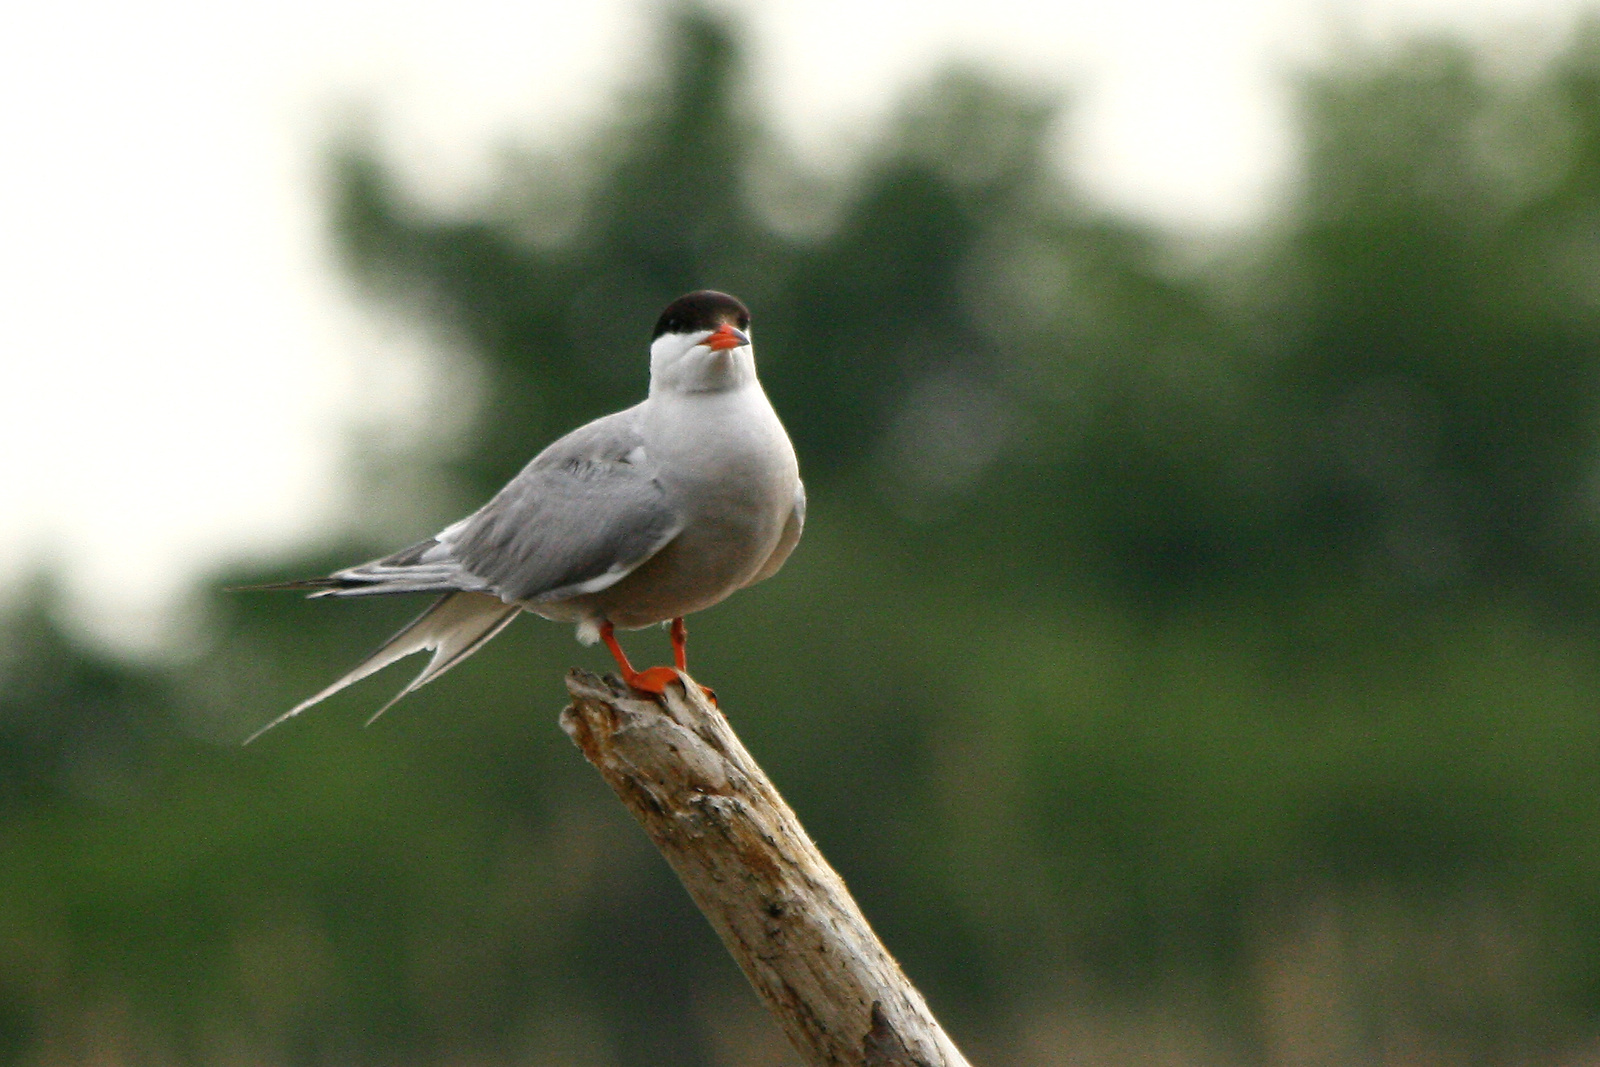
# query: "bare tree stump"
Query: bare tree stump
782,912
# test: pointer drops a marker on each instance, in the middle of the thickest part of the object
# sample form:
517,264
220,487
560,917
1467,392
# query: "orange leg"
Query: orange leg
680,654
608,634
680,643
654,680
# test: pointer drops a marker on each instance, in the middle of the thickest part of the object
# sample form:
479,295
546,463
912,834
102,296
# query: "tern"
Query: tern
637,518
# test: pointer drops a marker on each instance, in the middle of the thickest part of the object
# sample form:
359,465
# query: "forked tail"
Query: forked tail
453,628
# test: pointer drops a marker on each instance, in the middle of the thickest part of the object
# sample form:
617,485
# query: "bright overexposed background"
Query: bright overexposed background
181,359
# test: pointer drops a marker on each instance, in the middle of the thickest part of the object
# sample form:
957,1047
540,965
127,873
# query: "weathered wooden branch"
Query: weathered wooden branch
783,913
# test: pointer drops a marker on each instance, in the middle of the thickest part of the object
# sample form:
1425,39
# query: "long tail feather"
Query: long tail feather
439,578
453,628
460,643
279,587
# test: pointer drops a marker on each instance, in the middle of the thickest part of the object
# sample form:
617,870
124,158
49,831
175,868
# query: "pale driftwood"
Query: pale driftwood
783,913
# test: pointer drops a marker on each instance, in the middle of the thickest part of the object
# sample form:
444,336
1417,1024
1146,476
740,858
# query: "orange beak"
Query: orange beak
725,337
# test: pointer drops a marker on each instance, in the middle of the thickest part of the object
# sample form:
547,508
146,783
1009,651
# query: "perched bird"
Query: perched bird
639,517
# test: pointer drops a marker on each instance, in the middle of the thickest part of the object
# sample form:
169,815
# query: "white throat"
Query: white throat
680,363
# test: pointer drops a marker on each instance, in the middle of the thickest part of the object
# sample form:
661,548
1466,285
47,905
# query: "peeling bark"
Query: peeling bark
782,912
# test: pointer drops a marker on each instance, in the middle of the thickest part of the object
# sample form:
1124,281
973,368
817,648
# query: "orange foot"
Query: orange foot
654,680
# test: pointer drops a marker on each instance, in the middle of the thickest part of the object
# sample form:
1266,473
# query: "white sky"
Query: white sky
179,360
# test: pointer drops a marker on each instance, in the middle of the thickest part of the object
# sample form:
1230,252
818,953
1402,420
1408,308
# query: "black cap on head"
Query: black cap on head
704,309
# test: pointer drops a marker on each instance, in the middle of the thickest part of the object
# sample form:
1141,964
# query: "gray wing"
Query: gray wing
792,528
583,515
580,517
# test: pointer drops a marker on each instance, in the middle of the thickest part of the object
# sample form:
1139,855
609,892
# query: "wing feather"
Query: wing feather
583,515
580,517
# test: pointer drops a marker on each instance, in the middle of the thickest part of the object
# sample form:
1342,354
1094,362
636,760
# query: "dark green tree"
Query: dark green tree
1152,602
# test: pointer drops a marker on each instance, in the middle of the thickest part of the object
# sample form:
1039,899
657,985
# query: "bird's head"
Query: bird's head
701,344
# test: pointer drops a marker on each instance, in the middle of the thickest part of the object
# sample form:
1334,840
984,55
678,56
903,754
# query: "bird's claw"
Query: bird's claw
654,680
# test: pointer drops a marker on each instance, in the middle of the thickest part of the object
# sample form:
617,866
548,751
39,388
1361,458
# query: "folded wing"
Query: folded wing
583,515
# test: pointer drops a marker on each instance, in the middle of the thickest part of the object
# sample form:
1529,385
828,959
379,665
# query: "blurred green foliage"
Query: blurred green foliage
1183,643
